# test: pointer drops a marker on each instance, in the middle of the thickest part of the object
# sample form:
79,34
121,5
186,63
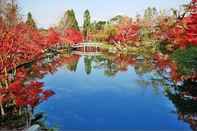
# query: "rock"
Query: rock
34,128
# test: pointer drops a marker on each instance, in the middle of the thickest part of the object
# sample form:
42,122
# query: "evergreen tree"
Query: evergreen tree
74,23
30,21
150,13
86,24
69,21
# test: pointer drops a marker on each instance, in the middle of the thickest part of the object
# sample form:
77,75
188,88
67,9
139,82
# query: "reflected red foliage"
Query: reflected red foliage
164,63
124,61
25,94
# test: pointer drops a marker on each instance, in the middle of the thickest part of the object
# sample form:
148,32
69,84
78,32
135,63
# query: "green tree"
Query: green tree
186,60
68,21
88,64
30,21
150,13
117,19
100,25
87,23
109,30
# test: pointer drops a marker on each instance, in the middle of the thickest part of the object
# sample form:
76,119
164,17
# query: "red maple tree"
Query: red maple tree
72,36
184,33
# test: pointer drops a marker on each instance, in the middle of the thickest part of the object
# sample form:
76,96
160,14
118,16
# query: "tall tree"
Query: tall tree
86,24
9,12
69,21
74,22
30,21
150,13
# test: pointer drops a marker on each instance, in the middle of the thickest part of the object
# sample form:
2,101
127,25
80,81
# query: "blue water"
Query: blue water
96,101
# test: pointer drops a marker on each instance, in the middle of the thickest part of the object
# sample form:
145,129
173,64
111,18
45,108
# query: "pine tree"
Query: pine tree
69,21
86,24
74,23
30,21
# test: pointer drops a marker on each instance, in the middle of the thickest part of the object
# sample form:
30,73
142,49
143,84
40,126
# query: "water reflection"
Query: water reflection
185,106
144,74
113,64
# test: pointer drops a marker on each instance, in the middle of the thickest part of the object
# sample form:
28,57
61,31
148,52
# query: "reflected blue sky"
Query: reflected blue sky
48,12
96,101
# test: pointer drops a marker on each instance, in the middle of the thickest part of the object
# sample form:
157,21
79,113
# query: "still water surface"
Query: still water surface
100,94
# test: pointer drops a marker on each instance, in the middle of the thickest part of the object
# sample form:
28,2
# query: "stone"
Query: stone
34,128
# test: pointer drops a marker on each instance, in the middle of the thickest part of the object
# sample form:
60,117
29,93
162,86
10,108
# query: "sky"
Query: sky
48,12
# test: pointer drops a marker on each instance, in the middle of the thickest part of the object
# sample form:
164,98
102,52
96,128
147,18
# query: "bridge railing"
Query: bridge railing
86,45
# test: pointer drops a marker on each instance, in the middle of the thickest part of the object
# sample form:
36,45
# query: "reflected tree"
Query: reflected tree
111,69
143,67
88,64
72,66
185,104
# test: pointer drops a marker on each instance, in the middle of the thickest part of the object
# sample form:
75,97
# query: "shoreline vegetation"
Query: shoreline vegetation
170,39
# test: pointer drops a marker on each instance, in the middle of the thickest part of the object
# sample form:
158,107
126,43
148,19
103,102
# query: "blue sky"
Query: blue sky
48,12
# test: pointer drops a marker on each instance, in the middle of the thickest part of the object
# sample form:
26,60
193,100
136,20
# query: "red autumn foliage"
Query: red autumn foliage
126,34
22,43
72,36
53,37
30,93
191,29
185,31
19,45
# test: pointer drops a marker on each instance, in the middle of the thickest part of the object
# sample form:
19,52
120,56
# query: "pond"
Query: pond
110,92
